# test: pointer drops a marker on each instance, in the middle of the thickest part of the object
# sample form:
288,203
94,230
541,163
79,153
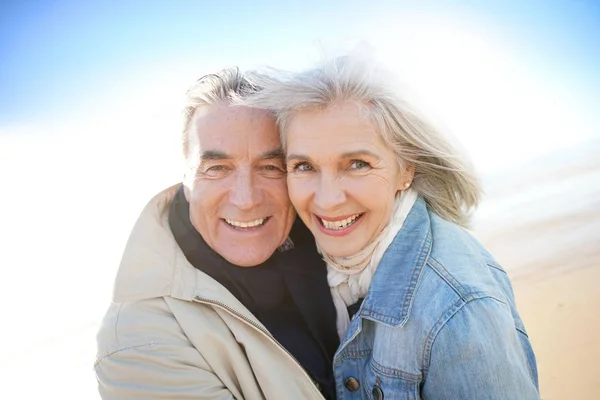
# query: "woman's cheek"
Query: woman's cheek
297,191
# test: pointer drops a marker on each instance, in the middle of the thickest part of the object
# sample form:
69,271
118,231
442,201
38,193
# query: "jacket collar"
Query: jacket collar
153,265
390,295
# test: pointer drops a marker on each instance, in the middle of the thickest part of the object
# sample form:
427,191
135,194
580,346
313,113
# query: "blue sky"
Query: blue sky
57,54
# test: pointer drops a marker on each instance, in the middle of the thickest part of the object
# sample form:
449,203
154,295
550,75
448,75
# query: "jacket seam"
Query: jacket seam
435,330
522,331
529,371
437,266
496,267
117,323
454,283
439,326
393,372
110,353
424,255
352,354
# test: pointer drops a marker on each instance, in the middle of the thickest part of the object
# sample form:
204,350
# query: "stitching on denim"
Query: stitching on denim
435,330
429,340
448,277
110,353
394,372
496,267
527,358
517,327
383,317
483,295
454,283
424,254
350,354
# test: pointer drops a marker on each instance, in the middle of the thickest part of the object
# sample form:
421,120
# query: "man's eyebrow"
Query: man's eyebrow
214,155
277,153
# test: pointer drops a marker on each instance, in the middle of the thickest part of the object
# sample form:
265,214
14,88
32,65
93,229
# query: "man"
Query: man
221,293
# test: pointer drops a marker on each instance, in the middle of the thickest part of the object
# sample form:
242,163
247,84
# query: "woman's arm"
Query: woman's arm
479,354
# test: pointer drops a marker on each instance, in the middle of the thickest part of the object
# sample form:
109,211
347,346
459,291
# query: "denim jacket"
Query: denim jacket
439,322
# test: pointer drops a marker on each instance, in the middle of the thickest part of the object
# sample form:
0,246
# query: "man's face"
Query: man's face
237,185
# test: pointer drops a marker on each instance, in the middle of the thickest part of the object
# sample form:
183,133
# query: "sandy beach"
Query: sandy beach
563,322
545,230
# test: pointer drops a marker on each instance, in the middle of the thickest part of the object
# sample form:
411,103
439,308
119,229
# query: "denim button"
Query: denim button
377,393
352,384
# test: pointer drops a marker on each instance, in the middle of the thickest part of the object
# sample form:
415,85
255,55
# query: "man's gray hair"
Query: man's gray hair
443,175
227,85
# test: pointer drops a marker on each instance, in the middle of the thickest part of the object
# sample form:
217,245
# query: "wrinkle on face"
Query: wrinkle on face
323,139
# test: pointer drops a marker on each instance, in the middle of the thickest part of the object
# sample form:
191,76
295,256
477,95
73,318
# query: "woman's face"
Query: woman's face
342,176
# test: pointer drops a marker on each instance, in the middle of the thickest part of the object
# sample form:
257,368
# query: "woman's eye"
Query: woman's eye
359,164
302,167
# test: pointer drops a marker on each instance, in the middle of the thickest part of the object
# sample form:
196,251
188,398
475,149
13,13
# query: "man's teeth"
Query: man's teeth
337,225
251,224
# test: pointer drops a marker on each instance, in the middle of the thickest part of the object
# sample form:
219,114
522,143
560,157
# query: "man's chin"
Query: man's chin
248,256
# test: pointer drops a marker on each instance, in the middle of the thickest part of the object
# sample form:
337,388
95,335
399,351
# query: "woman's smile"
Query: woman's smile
342,177
338,226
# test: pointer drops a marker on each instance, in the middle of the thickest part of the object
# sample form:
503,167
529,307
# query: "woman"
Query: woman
423,310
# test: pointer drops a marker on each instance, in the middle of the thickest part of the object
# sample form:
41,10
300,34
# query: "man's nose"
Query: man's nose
244,195
329,194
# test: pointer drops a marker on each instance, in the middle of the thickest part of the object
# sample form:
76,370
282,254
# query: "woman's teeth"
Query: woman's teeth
342,224
251,224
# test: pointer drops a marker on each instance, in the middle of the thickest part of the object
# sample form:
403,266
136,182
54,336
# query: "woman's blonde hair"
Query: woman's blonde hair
443,175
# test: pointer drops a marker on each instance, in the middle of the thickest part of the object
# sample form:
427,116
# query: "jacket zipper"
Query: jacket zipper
259,329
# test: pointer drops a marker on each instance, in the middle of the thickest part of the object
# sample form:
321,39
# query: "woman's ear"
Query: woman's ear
407,175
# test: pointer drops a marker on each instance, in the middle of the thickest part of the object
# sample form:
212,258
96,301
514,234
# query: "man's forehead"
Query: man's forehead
226,114
233,131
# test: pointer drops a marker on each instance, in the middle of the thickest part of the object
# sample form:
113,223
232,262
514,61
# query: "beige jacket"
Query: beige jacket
172,332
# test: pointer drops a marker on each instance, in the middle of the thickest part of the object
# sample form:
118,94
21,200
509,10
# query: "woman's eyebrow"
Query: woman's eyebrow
297,157
358,153
348,154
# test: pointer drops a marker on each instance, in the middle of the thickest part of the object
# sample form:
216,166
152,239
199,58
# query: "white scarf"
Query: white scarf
350,277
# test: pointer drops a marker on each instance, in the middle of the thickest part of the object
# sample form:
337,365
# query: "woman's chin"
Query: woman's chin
337,250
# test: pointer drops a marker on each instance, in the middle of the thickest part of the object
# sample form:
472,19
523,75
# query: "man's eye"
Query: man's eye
272,167
215,170
302,167
359,164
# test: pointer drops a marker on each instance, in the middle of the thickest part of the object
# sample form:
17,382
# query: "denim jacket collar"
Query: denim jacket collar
399,270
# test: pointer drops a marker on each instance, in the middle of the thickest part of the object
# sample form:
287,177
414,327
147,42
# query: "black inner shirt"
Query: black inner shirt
288,293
